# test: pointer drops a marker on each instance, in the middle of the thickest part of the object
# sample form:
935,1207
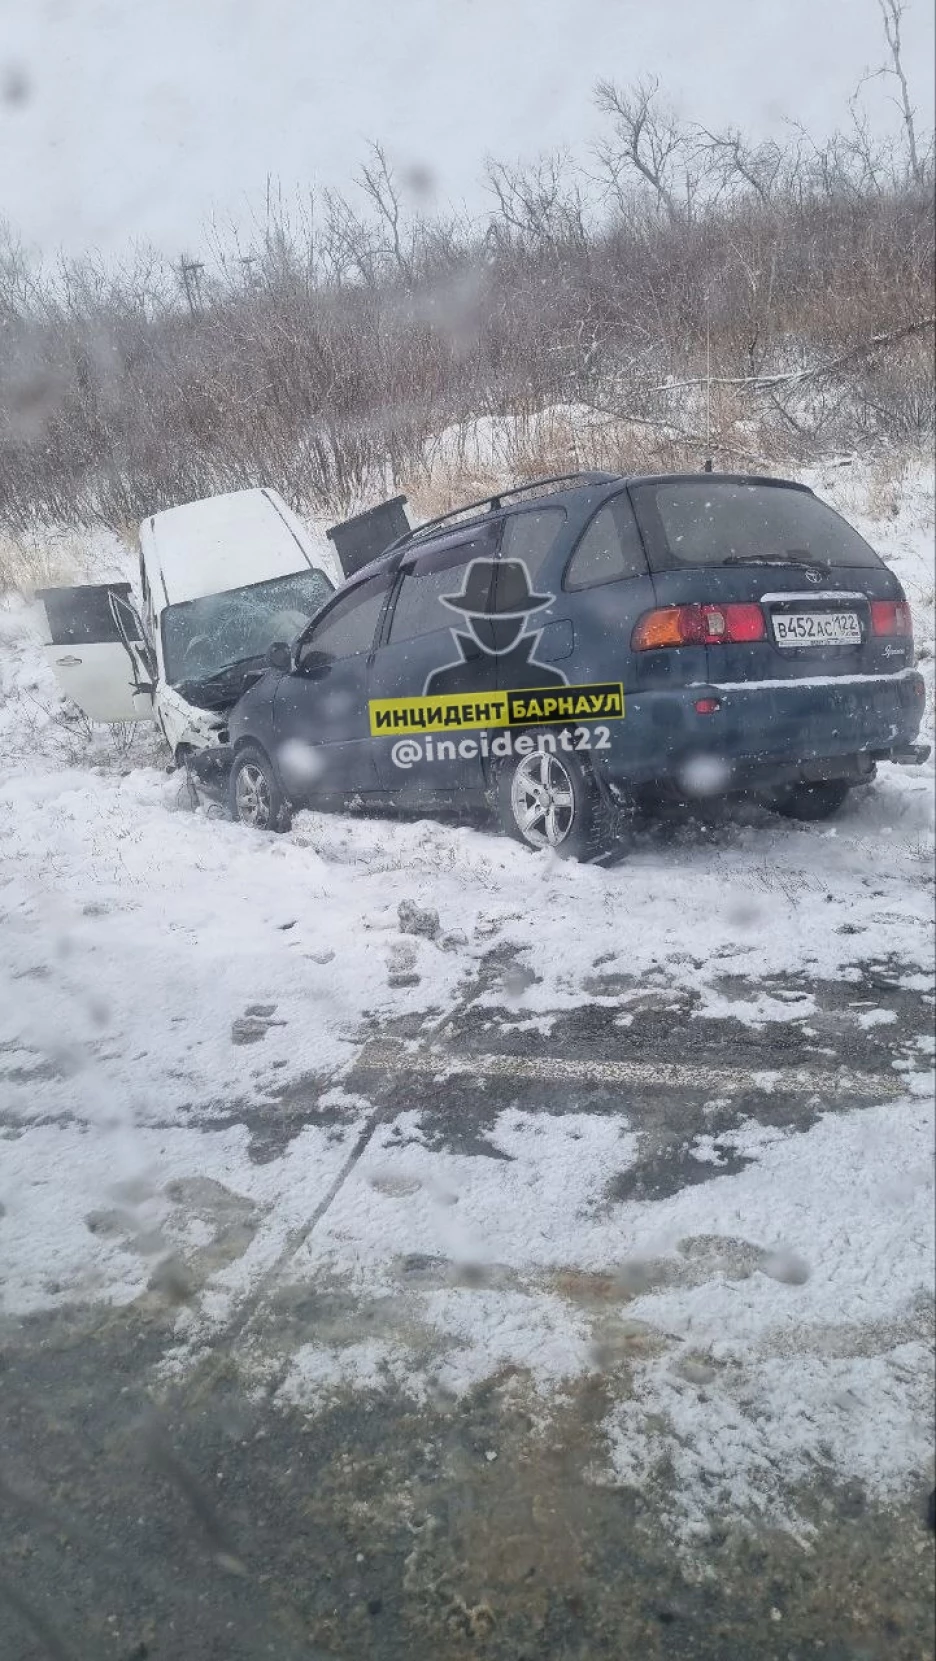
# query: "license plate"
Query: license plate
817,628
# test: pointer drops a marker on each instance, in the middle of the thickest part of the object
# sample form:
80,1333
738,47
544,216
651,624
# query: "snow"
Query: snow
318,1369
171,985
804,680
71,1236
736,1446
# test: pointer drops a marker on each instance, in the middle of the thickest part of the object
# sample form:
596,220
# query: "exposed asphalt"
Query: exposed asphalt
151,1518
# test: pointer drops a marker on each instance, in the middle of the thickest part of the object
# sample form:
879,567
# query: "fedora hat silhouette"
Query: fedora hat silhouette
513,594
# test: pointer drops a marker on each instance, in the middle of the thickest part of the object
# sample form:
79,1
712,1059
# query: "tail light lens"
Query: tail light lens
670,626
699,626
734,623
891,617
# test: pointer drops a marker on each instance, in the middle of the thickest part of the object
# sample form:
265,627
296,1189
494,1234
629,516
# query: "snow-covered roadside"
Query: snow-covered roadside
165,977
752,1329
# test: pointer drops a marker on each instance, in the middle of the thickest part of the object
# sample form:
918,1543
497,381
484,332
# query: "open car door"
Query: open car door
96,646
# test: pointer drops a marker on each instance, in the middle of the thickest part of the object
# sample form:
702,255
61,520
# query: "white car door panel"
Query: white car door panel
96,646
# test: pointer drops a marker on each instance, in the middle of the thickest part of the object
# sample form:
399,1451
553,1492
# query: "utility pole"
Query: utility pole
190,272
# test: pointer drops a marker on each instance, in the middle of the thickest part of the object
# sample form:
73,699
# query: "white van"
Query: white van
220,580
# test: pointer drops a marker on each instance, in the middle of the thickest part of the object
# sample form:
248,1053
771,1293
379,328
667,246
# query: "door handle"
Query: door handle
67,662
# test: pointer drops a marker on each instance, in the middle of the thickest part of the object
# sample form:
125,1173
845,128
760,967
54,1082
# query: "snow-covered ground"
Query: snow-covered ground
186,1009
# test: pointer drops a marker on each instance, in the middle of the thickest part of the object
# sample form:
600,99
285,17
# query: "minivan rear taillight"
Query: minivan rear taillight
709,625
891,617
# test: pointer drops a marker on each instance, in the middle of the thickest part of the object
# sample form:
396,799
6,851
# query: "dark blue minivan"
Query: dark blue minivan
559,651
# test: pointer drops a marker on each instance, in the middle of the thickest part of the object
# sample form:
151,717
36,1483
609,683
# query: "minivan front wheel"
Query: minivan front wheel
548,800
254,795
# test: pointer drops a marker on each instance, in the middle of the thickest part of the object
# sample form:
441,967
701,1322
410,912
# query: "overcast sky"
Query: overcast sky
126,120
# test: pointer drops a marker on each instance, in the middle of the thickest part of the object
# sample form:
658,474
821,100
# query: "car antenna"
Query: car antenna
708,463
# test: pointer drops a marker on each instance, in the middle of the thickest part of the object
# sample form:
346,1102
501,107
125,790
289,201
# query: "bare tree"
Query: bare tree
324,350
650,144
377,181
542,202
892,12
734,157
348,248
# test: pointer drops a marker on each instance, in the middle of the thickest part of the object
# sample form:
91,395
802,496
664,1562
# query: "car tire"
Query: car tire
811,801
550,800
255,798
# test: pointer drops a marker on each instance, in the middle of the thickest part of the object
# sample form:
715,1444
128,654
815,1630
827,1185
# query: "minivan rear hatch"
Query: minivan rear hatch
776,584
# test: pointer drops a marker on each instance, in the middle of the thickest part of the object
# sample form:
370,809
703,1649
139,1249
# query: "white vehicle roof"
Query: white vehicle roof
225,542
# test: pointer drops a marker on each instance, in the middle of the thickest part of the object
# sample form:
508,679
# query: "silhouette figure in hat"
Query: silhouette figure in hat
496,614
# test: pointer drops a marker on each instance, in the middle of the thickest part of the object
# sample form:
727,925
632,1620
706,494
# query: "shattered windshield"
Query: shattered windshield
203,637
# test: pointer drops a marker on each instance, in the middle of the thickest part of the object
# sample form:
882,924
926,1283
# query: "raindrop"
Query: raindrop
786,1266
705,776
14,84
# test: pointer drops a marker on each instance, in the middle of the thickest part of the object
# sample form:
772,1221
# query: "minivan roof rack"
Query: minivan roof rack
493,504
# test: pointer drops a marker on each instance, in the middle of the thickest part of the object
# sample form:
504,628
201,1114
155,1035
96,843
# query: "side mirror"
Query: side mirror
316,663
279,656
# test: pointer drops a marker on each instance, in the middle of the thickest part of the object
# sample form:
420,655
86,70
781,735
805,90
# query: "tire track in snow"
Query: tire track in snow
249,1307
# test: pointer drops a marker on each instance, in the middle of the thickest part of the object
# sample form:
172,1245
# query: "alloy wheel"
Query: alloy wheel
252,796
542,800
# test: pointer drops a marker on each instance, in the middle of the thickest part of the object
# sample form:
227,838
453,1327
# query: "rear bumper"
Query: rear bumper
780,728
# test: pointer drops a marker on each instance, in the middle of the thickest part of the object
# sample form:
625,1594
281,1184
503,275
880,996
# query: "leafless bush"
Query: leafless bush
763,300
32,559
60,731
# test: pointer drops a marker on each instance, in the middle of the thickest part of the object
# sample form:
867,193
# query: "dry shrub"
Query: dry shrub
885,478
325,359
447,487
30,560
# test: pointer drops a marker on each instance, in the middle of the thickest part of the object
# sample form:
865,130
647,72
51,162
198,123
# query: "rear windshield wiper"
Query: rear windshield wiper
798,561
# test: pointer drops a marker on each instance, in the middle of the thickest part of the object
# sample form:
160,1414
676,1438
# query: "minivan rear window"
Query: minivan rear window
712,521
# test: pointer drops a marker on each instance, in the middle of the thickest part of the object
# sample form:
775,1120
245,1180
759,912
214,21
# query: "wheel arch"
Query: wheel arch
248,742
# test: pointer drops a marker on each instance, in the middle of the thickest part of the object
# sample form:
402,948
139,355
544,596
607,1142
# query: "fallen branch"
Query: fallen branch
796,376
717,443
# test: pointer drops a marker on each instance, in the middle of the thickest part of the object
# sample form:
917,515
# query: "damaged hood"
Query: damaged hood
220,692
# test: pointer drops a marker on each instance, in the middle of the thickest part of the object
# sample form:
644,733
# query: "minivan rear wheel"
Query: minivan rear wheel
254,794
811,801
548,800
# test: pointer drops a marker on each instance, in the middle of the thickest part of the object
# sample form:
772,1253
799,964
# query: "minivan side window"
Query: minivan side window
609,549
420,605
82,616
530,536
350,624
